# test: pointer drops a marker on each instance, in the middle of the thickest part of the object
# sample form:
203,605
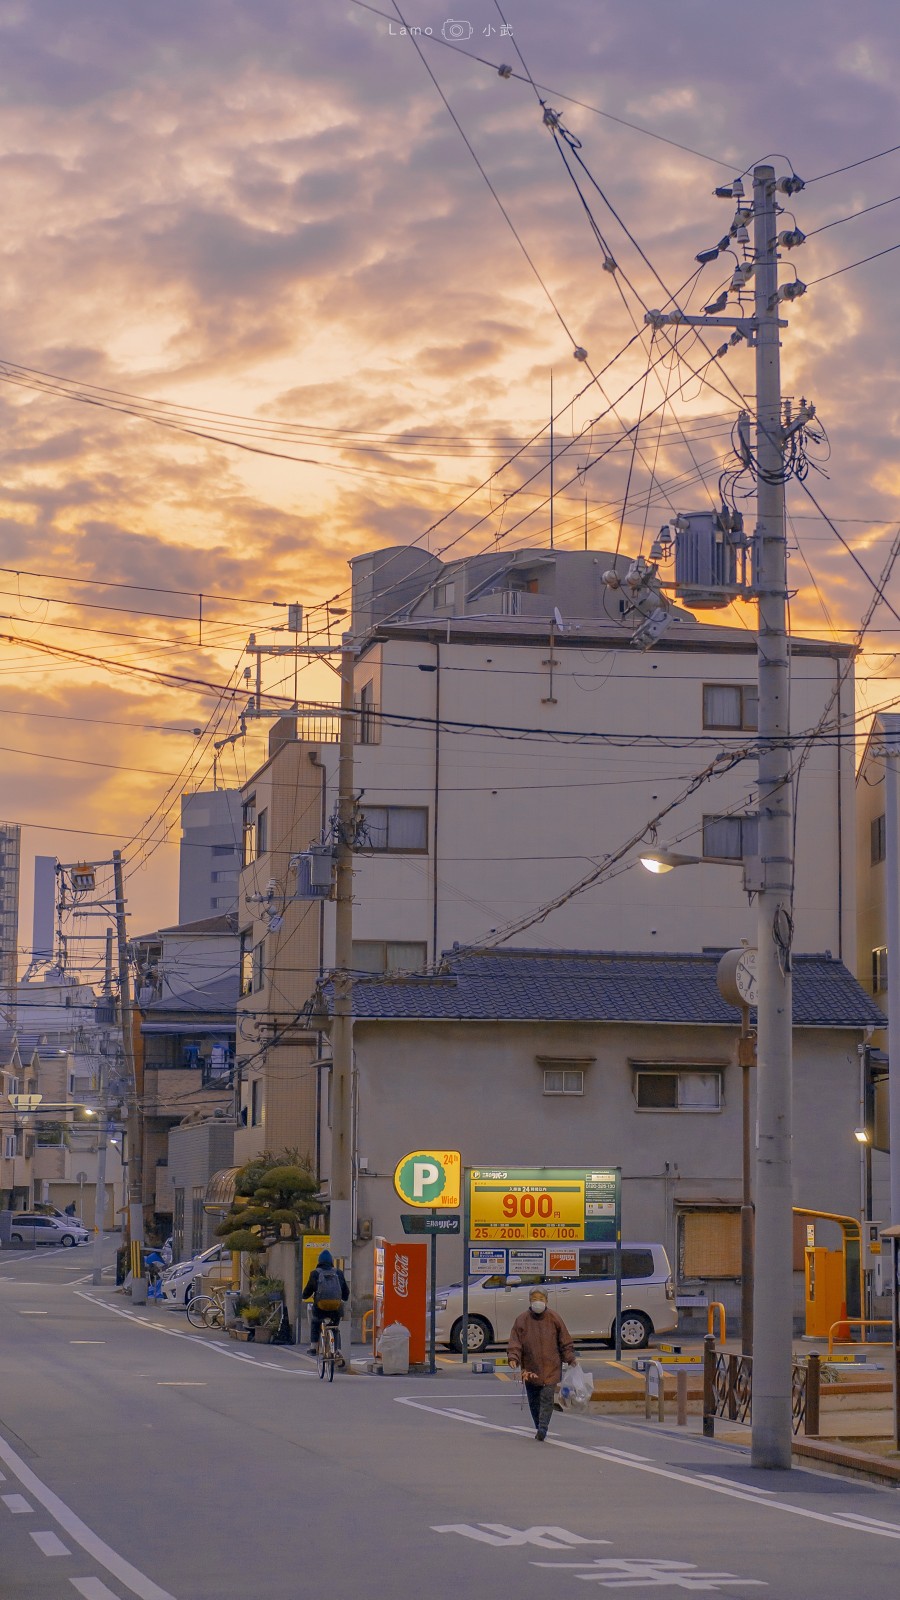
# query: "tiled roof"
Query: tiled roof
600,986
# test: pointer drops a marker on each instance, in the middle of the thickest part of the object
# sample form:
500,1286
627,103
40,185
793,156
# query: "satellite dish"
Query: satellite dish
557,619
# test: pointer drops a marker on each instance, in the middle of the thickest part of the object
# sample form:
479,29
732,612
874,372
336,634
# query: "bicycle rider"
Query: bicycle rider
327,1288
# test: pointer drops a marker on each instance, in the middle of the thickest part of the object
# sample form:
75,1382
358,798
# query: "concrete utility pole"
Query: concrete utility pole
774,1283
891,753
103,1135
135,1149
341,1175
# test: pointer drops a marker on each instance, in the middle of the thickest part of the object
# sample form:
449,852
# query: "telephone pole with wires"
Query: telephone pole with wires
778,442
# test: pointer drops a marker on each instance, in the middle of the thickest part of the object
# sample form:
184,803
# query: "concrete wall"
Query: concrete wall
477,1087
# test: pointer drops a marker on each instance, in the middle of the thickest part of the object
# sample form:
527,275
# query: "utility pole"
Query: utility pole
103,1135
341,1176
135,1149
773,1277
774,1281
891,755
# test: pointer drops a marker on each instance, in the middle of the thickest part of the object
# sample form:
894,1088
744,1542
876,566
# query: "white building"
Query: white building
504,754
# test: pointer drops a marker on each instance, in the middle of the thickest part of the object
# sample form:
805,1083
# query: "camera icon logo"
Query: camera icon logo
456,30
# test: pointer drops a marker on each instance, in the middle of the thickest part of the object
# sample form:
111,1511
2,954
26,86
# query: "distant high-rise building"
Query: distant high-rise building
10,852
210,853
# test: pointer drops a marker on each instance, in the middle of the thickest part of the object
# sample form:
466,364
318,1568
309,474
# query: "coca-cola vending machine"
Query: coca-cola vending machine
400,1294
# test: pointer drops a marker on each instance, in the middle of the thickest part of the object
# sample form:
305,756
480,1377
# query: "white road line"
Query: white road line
93,1589
751,1488
50,1544
144,1588
871,1522
193,1338
87,1341
31,1313
16,1503
616,1459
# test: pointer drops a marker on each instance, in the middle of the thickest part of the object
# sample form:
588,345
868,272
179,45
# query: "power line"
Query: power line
851,264
851,215
850,165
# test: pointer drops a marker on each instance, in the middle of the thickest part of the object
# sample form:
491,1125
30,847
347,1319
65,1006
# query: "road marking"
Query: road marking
87,1341
731,1491
751,1488
16,1503
502,1537
178,1383
144,1588
93,1589
50,1544
618,1572
871,1522
193,1338
31,1313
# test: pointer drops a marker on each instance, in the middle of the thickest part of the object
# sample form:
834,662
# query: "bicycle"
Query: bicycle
326,1351
207,1310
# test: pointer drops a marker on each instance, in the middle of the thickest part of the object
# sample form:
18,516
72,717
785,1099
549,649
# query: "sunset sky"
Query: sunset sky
265,210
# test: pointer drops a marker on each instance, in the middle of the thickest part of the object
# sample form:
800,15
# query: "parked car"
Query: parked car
30,1227
180,1283
586,1299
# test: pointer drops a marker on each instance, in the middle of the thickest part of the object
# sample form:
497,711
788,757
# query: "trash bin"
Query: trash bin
393,1347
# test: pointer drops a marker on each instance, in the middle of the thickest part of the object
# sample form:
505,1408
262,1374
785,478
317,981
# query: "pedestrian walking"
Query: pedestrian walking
70,1209
539,1343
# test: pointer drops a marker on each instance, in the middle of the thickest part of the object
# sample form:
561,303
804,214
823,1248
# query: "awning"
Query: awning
220,1191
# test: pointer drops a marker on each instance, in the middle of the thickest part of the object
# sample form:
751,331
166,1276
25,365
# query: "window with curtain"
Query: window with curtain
389,955
730,705
730,838
677,1089
397,828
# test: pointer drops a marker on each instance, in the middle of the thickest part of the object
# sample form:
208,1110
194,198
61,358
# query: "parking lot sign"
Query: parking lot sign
429,1178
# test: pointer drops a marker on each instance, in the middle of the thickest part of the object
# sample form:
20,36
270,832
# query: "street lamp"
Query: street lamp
665,860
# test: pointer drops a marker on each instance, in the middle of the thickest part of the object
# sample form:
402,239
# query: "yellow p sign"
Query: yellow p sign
429,1178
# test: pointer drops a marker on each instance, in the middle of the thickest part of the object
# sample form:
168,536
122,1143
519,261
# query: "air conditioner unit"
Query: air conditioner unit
710,558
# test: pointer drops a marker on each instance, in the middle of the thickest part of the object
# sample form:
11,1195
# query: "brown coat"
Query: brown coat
540,1345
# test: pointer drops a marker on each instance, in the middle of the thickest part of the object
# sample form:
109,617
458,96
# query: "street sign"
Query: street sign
415,1222
529,1205
430,1178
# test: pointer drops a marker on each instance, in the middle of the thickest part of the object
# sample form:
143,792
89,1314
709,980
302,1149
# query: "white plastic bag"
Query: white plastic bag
576,1389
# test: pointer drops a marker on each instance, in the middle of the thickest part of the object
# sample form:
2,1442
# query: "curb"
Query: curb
840,1458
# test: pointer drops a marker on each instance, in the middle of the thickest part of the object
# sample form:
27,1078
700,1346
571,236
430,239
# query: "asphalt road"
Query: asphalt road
141,1459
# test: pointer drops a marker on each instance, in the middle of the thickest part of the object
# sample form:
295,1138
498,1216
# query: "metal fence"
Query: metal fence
728,1390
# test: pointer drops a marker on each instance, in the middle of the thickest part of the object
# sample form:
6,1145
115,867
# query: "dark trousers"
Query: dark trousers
540,1403
316,1318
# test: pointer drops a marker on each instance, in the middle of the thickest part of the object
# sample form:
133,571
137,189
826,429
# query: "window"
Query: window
677,1089
9,1146
388,955
730,838
564,1080
224,849
878,839
223,902
12,1086
398,828
602,1264
229,877
262,833
256,1103
879,970
730,705
444,594
709,1244
246,962
248,831
368,732
259,965
198,1195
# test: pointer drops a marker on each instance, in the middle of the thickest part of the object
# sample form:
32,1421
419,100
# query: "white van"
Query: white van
586,1299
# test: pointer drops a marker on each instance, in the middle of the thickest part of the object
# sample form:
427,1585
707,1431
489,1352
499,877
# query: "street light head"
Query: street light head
666,860
861,1135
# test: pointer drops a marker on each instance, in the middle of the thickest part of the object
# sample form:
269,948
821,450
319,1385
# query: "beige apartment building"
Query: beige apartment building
511,739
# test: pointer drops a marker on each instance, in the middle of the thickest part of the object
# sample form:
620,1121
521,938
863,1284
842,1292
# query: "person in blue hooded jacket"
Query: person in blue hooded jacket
327,1288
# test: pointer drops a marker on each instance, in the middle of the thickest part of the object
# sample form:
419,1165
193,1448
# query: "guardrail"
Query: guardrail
856,1322
728,1390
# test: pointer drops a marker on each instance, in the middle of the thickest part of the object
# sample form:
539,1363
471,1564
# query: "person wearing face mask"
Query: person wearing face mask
539,1343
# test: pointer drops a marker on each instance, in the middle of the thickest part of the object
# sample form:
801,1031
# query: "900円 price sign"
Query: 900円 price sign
519,1203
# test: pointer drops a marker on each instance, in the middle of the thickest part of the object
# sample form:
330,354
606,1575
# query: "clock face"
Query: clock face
745,977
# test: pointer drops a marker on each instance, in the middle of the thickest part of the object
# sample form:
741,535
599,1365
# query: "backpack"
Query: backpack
328,1296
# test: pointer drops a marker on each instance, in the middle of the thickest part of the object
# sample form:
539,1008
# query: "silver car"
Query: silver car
584,1296
30,1227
